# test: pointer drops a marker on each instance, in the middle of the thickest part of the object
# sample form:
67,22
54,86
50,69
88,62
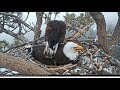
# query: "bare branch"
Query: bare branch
81,31
18,19
21,45
23,39
27,16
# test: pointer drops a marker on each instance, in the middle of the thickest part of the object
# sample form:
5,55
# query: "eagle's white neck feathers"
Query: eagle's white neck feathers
69,51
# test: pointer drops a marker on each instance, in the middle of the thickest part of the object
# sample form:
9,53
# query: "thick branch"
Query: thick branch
37,30
116,34
22,66
81,31
101,30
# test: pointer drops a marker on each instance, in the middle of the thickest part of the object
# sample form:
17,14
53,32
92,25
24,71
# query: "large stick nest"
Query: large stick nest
93,61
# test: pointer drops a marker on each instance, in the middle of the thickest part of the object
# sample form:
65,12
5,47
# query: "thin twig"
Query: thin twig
27,16
21,45
63,67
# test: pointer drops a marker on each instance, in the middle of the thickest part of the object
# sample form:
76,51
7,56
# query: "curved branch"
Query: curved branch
27,16
116,34
22,66
101,30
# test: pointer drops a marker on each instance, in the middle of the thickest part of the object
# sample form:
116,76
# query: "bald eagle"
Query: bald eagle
55,52
66,53
54,36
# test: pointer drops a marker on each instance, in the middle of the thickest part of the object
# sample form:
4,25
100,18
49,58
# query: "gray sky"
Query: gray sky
110,17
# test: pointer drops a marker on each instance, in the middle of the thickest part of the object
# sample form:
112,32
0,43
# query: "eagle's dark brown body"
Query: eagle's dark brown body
58,59
55,32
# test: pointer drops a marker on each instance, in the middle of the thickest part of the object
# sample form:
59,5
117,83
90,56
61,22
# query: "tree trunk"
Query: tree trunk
20,65
101,30
115,37
37,30
116,33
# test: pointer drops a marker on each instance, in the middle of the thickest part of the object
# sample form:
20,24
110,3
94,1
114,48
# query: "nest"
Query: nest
93,61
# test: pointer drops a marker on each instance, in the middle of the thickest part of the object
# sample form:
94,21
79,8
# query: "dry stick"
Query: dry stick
63,67
21,65
94,62
21,45
96,53
115,64
81,31
118,63
91,59
96,71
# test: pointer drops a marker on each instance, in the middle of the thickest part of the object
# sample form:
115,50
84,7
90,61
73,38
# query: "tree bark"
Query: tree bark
101,30
116,33
37,30
20,65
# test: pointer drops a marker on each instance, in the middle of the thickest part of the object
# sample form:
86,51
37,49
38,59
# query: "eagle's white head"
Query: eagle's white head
72,50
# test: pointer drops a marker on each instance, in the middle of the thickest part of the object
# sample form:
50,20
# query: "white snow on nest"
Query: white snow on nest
96,59
77,69
91,66
14,72
3,70
9,74
108,69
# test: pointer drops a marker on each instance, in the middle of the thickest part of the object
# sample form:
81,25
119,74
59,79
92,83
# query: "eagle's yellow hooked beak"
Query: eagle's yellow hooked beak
79,49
